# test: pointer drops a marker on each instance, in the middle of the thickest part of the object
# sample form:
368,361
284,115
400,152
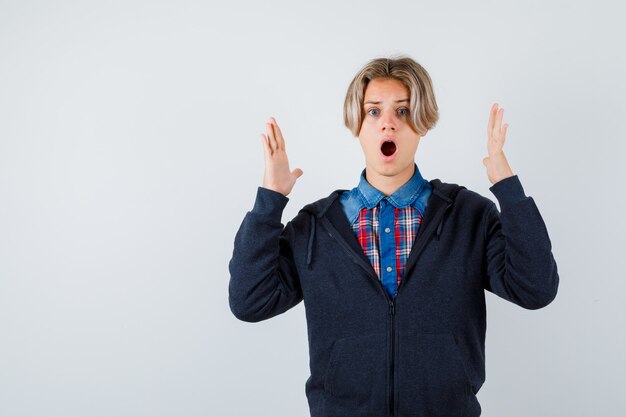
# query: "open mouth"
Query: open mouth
388,148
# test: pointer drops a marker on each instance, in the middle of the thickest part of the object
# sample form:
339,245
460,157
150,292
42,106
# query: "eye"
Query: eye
371,110
405,110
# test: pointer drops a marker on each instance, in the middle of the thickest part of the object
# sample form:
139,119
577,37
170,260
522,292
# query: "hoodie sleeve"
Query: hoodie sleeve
264,280
520,264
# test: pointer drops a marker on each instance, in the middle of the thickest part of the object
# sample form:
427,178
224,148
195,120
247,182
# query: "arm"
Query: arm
520,264
263,277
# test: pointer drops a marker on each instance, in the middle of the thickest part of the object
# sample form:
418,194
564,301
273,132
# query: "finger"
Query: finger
297,172
504,130
279,134
498,123
491,117
270,135
266,146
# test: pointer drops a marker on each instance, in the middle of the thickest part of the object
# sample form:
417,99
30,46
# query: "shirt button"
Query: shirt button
387,230
389,269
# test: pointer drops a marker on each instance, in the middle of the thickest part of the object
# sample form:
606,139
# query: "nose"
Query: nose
387,122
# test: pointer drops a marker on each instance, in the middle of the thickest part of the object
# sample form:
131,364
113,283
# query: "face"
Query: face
388,142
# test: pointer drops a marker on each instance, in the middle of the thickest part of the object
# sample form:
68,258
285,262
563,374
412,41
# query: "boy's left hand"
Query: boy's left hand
497,166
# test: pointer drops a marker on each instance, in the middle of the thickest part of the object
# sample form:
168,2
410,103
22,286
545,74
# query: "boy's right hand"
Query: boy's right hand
277,175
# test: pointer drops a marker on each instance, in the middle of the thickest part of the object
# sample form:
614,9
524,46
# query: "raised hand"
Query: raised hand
497,166
277,175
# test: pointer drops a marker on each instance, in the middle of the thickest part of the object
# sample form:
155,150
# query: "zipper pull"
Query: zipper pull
392,308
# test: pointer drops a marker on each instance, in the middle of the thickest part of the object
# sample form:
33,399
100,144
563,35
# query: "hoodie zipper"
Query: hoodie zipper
391,302
392,313
392,353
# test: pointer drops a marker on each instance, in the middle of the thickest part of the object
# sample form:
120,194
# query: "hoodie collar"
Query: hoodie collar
329,211
402,197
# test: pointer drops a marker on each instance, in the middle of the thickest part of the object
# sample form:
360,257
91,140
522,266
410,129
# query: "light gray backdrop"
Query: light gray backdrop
130,151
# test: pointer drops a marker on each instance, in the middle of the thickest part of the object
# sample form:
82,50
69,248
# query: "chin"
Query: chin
388,170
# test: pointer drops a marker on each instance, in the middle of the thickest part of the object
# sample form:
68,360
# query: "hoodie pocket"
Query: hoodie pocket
356,370
432,379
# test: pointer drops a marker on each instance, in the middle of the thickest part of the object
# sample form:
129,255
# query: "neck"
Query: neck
389,184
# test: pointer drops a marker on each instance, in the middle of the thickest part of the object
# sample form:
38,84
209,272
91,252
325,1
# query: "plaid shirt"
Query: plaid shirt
386,226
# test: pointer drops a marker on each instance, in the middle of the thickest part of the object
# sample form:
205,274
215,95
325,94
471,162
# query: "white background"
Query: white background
130,151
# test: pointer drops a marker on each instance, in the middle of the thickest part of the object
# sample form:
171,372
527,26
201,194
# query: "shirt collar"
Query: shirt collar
404,196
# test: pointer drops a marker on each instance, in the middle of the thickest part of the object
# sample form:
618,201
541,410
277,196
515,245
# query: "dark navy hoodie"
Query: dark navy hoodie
423,353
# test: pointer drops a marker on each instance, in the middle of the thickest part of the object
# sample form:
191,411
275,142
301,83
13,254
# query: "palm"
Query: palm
496,163
278,176
495,132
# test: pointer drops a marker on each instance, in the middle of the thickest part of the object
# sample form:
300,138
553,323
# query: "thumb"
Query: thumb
297,172
485,160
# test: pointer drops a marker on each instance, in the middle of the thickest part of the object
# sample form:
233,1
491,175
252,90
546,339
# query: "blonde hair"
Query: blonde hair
423,107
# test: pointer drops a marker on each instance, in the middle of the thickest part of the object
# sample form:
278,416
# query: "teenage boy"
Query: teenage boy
393,273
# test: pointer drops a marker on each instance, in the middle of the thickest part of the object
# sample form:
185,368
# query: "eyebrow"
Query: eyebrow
378,102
